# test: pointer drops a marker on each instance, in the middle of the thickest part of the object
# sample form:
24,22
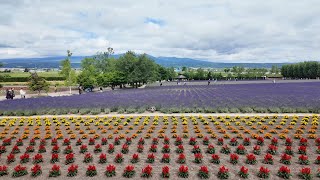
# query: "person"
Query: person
80,89
22,94
274,81
160,84
55,89
12,93
101,89
209,82
7,94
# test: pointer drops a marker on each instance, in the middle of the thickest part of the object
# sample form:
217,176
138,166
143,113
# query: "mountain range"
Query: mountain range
53,62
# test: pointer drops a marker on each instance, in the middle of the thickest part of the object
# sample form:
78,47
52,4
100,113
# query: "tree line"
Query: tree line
308,69
104,70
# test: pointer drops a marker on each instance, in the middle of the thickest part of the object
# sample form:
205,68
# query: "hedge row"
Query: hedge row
128,110
25,79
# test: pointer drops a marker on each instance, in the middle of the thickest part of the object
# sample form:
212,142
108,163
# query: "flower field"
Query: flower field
225,147
232,98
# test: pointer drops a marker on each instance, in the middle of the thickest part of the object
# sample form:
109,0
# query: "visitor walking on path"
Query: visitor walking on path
7,94
22,94
12,95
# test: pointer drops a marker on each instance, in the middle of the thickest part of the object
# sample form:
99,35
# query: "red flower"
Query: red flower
198,156
70,156
223,169
66,141
288,148
19,168
129,168
215,156
244,170
220,139
147,170
302,148
285,157
180,146
37,157
204,169
110,168
87,156
55,168
103,156
119,156
284,169
150,156
165,170
125,146
268,157
3,168
288,141
303,140
241,147
181,156
24,156
206,139
166,146
166,156
303,158
264,170
260,139
54,156
256,147
135,156
153,146
91,168
305,170
234,157
73,168
111,146
98,146
233,140
10,157
83,146
183,169
36,168
274,140
273,147
251,157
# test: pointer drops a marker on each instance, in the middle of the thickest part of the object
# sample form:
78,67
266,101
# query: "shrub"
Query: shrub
72,170
165,172
91,171
183,171
110,171
36,170
223,173
19,171
305,173
284,172
264,173
147,172
243,172
55,171
3,170
129,172
203,172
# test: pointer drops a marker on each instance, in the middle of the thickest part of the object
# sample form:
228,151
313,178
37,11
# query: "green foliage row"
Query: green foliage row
25,79
309,69
128,110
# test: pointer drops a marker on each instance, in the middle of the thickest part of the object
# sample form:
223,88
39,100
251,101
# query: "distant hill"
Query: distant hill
53,62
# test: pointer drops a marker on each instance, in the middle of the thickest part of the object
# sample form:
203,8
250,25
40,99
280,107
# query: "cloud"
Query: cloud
214,30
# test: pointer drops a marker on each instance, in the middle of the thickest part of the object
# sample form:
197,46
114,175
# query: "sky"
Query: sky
213,30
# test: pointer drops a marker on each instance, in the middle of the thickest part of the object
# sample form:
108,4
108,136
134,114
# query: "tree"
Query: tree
37,83
67,72
1,77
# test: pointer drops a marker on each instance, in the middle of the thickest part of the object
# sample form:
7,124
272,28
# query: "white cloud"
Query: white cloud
216,30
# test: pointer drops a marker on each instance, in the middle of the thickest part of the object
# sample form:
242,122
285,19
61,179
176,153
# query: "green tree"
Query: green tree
37,83
67,72
1,77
